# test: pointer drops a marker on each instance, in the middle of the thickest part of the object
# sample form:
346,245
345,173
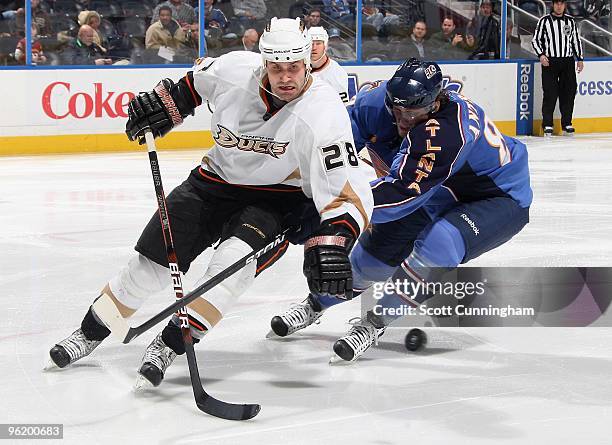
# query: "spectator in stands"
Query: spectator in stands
447,42
339,10
371,15
93,19
485,9
84,51
190,51
250,39
392,26
38,56
16,24
417,39
41,18
182,13
336,9
313,18
7,20
8,9
488,34
213,17
413,46
165,32
16,17
598,12
248,11
469,44
338,49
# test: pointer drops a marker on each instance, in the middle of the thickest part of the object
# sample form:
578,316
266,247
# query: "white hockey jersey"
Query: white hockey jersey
308,143
332,73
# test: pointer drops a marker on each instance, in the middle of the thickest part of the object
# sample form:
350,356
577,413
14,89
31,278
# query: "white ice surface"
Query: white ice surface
69,222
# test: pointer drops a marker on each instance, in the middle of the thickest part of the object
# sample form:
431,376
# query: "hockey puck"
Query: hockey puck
415,339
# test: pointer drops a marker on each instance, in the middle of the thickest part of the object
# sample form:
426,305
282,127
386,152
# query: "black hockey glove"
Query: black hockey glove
326,263
162,109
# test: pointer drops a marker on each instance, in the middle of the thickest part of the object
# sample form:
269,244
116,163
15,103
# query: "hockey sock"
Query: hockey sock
439,249
320,302
409,287
92,327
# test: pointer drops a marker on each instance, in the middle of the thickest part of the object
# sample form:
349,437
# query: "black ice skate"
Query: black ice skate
156,360
358,339
71,349
297,317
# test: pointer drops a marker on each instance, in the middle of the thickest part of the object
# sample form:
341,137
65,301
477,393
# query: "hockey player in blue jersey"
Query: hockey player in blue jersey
455,189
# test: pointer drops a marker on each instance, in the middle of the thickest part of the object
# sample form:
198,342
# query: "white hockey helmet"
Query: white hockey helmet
285,40
318,33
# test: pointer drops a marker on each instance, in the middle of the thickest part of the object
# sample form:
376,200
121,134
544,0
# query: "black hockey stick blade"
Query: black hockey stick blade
208,404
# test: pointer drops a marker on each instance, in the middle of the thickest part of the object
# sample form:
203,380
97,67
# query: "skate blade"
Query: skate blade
272,334
142,385
50,366
334,360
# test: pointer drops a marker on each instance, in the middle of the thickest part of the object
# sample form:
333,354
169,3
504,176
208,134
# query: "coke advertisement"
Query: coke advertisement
81,104
65,102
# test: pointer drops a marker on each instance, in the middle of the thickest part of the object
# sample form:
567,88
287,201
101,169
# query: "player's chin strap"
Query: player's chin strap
320,58
261,75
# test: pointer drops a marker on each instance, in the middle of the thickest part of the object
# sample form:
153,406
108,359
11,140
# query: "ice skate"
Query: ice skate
358,340
297,317
156,360
71,349
548,132
568,130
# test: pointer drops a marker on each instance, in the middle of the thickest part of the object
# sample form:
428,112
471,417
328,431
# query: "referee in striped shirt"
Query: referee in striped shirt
557,43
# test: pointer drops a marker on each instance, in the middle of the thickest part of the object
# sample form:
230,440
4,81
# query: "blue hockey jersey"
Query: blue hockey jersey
458,155
374,126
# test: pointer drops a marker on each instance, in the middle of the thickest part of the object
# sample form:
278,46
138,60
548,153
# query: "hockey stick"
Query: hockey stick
105,308
204,401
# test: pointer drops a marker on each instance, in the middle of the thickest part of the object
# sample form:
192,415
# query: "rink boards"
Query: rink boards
84,110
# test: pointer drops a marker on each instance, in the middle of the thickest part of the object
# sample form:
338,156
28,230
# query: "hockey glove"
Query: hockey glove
326,263
162,109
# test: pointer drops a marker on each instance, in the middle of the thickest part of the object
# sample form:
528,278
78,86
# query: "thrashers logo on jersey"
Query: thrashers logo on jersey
258,144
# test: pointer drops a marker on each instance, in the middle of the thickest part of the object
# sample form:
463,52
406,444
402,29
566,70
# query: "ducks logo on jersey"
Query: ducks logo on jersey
258,144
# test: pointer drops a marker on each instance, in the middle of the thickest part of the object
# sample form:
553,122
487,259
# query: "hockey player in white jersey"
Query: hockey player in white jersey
323,66
283,143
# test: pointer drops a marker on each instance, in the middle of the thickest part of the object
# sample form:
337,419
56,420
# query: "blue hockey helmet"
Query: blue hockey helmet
415,84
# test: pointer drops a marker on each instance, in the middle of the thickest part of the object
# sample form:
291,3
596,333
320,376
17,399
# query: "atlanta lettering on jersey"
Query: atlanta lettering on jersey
258,144
427,160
